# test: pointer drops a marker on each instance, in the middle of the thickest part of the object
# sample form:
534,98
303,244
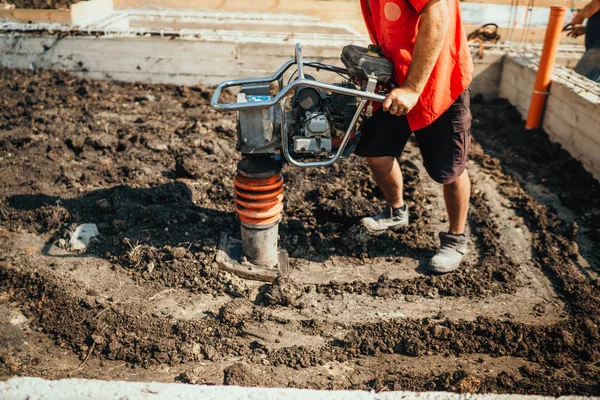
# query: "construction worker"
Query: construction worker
589,65
426,42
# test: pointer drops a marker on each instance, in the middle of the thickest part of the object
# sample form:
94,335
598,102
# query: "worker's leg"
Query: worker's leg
444,146
457,195
383,139
387,175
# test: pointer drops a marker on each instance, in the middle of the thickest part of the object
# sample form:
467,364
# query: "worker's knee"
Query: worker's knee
380,164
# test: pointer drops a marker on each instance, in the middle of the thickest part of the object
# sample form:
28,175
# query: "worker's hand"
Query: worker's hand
401,100
576,31
577,19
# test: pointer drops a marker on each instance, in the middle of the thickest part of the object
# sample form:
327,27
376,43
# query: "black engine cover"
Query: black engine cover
362,62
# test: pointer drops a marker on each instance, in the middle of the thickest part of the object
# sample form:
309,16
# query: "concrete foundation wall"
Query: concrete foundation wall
487,73
189,61
153,59
572,115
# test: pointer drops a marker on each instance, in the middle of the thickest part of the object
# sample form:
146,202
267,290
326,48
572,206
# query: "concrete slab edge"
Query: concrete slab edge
83,389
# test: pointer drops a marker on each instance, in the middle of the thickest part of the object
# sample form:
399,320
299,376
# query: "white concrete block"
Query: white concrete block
144,46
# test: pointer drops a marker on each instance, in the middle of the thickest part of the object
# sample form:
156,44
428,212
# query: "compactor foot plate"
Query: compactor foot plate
229,258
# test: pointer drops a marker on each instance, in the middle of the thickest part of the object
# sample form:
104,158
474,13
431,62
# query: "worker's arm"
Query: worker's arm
587,11
433,27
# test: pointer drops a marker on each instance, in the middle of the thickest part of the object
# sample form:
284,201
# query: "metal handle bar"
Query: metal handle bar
301,81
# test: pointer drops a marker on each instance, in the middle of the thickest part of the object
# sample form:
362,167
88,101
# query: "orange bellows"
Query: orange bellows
544,74
259,201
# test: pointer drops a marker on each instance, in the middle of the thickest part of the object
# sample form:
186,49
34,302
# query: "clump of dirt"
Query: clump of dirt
236,312
283,292
241,374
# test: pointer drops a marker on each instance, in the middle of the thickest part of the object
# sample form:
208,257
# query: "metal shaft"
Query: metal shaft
259,244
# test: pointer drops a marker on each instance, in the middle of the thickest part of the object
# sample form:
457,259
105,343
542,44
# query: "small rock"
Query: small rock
241,374
591,328
162,357
103,141
179,253
150,267
236,311
145,97
469,384
98,339
409,298
157,145
441,332
209,352
114,346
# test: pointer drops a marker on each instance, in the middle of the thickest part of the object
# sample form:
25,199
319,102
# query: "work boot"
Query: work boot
389,218
452,250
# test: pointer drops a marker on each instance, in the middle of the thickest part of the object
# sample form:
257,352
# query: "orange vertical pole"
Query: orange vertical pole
544,74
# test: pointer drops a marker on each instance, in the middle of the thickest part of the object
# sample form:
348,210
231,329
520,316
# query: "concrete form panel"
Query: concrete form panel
146,46
19,44
487,73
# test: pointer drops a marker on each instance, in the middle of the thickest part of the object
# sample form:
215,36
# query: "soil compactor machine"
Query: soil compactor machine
306,123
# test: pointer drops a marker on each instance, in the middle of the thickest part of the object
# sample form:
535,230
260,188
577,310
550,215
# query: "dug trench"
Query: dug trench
152,166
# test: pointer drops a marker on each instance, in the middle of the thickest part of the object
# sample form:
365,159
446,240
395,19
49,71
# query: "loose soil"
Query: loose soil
42,4
152,166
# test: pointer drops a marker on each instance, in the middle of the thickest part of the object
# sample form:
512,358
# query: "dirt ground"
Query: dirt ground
42,4
152,166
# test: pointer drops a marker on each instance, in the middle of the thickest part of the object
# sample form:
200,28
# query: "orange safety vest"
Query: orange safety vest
393,26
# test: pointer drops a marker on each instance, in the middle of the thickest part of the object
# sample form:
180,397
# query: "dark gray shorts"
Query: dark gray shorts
444,144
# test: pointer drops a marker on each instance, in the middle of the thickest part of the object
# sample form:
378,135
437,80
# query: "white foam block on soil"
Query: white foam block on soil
82,389
82,236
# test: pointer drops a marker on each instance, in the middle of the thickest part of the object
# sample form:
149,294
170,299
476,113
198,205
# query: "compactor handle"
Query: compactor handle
301,81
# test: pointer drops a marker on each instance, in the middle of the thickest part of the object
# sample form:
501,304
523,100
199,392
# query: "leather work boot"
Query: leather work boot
450,254
389,218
